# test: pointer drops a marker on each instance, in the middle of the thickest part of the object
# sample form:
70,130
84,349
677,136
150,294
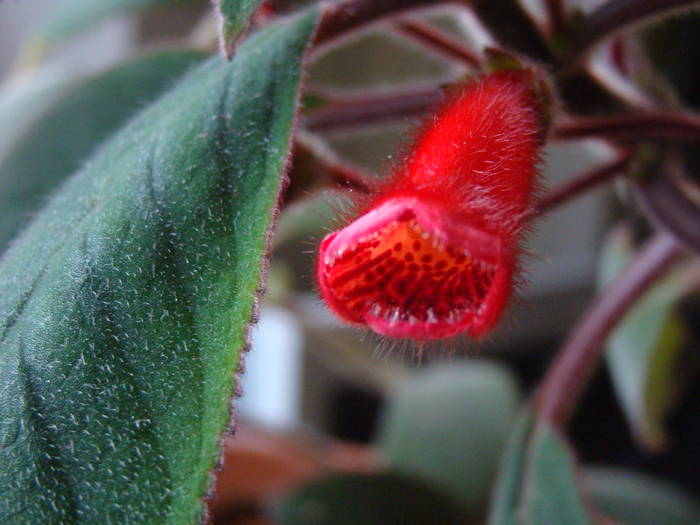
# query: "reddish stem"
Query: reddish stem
671,125
575,364
555,14
312,161
347,178
370,109
615,16
439,42
581,183
663,199
354,111
342,17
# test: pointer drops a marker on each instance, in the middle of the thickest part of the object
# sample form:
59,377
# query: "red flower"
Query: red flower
433,253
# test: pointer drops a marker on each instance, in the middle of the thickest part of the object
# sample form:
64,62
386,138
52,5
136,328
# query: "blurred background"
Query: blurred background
315,393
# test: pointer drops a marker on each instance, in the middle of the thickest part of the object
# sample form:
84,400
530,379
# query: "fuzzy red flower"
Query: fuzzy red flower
433,253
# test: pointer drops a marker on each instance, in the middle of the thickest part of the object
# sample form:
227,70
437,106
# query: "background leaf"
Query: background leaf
367,499
644,349
637,499
537,482
75,16
449,425
506,495
82,115
550,488
24,99
124,306
234,16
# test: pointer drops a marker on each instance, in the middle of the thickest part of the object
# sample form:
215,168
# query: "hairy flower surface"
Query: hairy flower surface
433,252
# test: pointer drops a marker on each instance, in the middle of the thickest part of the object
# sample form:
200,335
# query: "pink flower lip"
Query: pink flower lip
407,269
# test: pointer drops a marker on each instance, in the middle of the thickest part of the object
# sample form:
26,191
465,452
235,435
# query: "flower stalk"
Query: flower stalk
612,17
575,364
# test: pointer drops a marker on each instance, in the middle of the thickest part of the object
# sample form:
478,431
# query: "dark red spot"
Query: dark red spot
400,286
348,276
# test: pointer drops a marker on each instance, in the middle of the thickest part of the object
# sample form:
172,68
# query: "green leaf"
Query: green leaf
636,499
506,496
234,16
82,115
550,489
450,425
645,347
537,482
124,306
367,499
75,16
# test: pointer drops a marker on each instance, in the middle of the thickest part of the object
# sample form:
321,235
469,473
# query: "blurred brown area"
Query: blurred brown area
260,464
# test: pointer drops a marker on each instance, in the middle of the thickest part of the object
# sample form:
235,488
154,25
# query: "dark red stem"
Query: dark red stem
439,42
363,110
313,163
555,15
347,178
575,364
668,205
580,184
671,125
616,15
341,17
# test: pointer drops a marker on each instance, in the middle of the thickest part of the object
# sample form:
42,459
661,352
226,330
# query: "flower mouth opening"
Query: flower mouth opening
405,281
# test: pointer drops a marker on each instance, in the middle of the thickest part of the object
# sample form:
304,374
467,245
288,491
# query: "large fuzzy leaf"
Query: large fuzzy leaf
124,306
82,115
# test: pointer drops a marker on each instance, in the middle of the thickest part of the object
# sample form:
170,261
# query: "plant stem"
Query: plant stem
360,111
555,15
671,125
614,16
314,167
342,17
665,202
573,367
645,126
346,178
439,42
581,183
